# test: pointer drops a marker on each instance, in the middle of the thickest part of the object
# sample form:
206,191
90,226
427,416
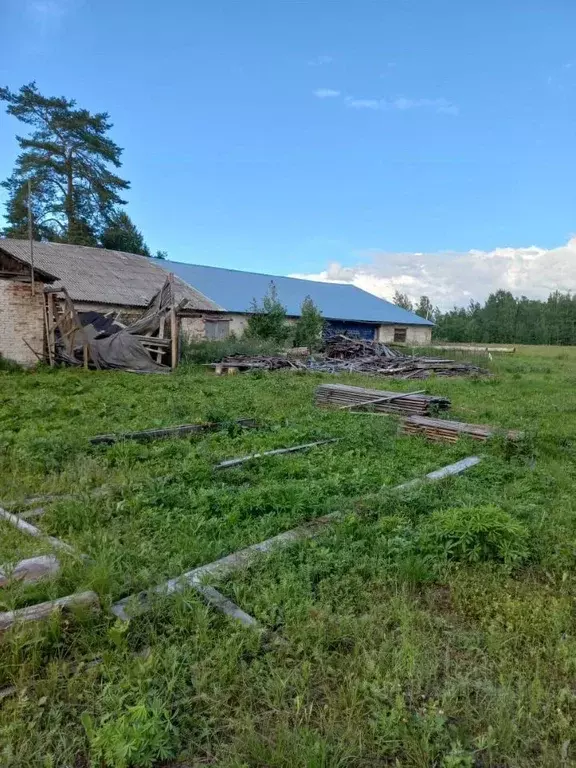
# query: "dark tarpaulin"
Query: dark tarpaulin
118,350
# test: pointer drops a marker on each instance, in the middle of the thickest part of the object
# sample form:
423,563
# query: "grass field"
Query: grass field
431,628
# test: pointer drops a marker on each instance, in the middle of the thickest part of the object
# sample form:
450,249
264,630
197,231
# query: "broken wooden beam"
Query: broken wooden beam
42,611
31,530
223,604
243,459
134,604
179,431
30,569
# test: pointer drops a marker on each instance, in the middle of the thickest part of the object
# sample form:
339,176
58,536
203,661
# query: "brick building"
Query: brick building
215,302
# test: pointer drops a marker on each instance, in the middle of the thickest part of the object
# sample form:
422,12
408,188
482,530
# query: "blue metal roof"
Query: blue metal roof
234,290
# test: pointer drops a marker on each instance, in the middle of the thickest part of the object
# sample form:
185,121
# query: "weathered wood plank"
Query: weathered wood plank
135,604
31,530
243,459
43,611
178,431
30,570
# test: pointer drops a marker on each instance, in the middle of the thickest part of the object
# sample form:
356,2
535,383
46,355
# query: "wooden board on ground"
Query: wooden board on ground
441,430
342,395
178,431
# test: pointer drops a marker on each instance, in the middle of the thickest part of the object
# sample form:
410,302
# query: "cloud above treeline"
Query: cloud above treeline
451,278
441,106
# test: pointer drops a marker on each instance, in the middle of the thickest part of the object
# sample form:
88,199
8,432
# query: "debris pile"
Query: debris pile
379,401
343,354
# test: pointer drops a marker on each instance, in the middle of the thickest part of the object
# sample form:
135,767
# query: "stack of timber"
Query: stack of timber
342,347
440,430
378,400
236,363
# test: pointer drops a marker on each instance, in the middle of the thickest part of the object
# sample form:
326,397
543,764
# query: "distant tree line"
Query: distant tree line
503,318
68,161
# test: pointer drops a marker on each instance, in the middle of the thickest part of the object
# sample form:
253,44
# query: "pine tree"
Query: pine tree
121,234
309,326
67,159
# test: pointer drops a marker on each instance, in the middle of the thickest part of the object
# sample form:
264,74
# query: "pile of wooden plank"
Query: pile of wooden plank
378,400
342,347
440,430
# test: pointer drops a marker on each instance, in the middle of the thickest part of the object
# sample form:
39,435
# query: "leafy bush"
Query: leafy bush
476,534
309,326
137,737
268,320
213,351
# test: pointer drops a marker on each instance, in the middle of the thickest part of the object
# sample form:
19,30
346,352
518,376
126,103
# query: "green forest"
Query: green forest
507,319
502,319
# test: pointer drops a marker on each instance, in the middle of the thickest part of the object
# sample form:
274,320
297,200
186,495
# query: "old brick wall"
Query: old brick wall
21,317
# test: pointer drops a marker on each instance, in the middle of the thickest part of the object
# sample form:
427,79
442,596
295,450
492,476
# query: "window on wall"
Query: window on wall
400,335
217,329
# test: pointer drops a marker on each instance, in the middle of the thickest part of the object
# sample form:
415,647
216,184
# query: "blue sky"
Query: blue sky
332,138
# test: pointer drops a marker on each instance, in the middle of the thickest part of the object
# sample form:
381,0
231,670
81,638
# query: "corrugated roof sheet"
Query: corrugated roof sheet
234,290
103,276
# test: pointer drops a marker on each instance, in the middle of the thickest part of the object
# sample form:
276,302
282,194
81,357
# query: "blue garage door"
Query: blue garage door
356,330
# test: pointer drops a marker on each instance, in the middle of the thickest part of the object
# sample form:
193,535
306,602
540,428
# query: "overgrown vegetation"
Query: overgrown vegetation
211,351
430,628
309,326
267,319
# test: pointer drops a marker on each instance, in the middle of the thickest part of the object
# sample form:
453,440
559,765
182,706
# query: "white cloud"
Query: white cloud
402,103
320,61
450,278
326,93
362,103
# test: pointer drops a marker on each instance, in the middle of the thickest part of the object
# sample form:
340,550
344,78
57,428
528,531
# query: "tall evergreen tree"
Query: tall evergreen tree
68,158
121,234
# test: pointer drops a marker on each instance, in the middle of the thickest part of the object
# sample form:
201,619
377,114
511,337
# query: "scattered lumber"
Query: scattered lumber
31,530
439,430
255,362
342,347
235,462
135,604
468,348
342,395
179,431
42,611
30,570
345,355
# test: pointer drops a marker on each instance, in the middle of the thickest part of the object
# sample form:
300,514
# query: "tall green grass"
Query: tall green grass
431,628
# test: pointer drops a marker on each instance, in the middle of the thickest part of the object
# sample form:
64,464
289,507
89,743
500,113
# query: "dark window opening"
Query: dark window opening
400,335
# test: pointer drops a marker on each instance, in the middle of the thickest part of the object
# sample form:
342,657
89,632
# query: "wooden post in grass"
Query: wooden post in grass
173,323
